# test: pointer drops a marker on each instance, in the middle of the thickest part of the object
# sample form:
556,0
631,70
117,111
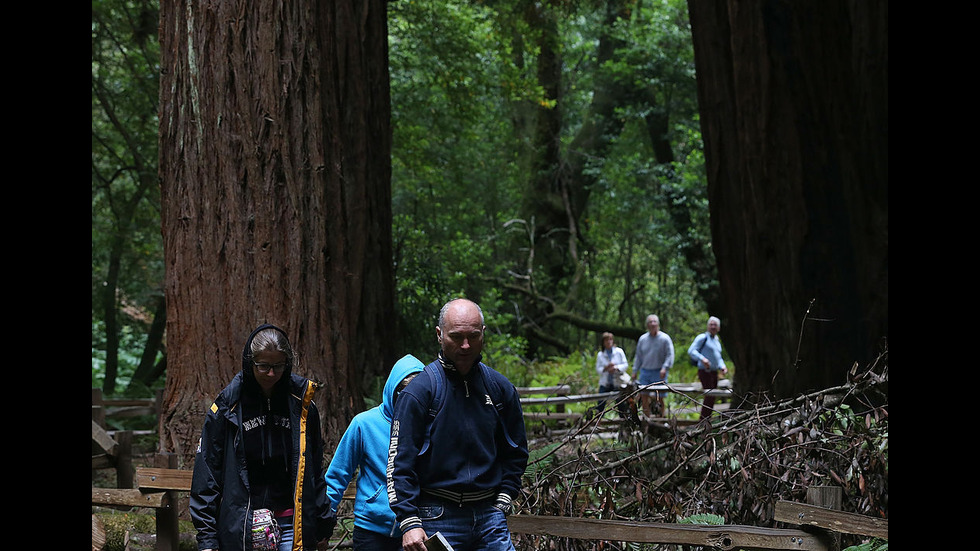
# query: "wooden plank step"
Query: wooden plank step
128,497
148,478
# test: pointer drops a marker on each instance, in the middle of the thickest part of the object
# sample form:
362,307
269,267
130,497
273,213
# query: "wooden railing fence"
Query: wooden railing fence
559,396
813,527
112,449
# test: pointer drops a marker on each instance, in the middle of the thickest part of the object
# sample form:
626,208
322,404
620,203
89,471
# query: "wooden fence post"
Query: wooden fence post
124,459
98,407
168,530
828,497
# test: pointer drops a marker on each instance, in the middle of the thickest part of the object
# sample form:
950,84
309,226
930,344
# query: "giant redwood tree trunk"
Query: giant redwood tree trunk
275,172
794,113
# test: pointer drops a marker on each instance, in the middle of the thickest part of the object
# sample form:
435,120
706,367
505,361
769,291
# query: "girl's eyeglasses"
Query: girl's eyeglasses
264,368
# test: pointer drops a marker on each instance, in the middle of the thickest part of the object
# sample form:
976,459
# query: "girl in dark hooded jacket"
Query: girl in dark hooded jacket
260,456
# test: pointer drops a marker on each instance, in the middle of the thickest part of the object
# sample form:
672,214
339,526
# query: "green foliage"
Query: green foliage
456,179
118,523
132,337
541,459
835,422
374,394
703,518
572,370
127,246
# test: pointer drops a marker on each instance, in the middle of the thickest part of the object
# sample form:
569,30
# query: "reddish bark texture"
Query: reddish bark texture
275,174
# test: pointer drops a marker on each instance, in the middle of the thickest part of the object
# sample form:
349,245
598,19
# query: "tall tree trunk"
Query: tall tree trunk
794,106
110,316
275,144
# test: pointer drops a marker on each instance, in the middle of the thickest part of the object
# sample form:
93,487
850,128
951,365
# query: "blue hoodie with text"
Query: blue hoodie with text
364,448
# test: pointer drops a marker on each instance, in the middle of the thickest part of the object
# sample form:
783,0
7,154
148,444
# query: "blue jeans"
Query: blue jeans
649,376
366,540
469,527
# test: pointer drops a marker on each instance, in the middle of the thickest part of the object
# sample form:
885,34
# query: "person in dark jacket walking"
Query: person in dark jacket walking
258,473
458,470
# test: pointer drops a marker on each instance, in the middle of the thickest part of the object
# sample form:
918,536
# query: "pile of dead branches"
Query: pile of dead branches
737,467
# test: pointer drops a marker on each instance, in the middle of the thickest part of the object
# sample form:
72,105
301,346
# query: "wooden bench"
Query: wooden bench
157,489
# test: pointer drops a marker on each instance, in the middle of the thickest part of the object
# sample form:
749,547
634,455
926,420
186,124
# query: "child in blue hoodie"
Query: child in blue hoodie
364,447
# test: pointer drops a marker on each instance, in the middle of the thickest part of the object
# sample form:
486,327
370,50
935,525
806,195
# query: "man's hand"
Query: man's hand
413,540
706,362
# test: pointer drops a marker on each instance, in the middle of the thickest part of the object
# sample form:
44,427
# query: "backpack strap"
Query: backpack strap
435,372
696,363
493,388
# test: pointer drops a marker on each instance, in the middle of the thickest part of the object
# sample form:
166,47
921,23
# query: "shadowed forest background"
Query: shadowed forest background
343,170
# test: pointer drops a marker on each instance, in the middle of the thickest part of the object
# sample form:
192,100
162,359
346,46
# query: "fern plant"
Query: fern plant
703,518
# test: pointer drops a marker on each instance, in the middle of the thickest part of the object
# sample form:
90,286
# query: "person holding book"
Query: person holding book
458,445
364,449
